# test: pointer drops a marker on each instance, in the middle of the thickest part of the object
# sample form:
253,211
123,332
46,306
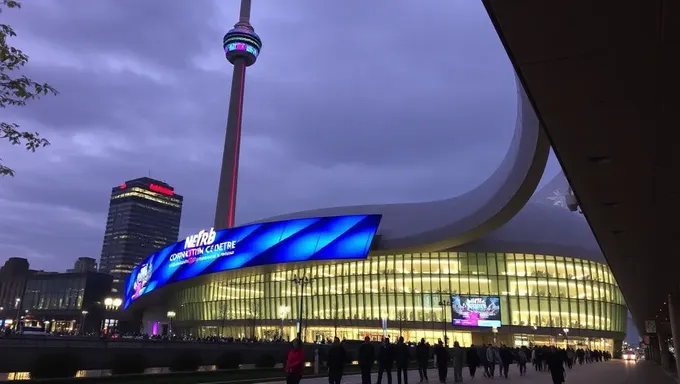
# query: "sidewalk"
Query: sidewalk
611,372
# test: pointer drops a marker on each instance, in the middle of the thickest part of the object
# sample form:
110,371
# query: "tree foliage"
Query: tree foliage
17,90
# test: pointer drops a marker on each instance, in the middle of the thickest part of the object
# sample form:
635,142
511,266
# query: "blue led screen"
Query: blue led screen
308,239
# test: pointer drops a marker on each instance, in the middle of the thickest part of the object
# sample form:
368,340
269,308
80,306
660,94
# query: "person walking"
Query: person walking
505,359
458,360
295,363
423,357
571,355
522,360
556,367
336,362
366,360
442,355
490,368
385,360
401,358
472,358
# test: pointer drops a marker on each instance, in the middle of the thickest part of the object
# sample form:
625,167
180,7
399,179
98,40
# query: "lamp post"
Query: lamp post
301,282
82,324
444,304
283,313
17,303
534,327
171,315
566,337
495,332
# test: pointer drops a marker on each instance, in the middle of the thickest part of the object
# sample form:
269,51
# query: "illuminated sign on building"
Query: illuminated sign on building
297,240
161,189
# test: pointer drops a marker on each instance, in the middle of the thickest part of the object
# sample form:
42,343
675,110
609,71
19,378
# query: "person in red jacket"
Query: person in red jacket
295,363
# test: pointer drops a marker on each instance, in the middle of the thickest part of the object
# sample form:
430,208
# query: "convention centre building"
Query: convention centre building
502,263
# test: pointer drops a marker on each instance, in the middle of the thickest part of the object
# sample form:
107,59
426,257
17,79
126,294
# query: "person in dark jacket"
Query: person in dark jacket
336,362
472,358
442,355
423,356
366,360
385,360
458,361
401,358
556,366
506,359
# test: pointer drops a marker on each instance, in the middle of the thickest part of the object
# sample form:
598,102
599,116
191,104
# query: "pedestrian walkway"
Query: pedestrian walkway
611,372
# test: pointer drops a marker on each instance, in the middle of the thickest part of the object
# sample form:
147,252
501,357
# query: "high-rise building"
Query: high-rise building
241,46
83,264
144,216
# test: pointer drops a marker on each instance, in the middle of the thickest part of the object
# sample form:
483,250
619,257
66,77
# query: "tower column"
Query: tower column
226,193
241,47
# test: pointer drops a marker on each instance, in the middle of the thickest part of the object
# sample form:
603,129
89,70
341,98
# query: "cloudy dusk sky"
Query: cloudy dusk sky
350,102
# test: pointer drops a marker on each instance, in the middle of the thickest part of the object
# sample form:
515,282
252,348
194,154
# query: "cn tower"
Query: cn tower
241,46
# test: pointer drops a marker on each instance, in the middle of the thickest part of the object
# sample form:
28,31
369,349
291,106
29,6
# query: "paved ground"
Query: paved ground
612,372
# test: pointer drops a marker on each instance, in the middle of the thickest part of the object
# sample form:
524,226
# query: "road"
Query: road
612,372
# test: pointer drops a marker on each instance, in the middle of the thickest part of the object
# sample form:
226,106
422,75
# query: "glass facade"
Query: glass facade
535,290
54,292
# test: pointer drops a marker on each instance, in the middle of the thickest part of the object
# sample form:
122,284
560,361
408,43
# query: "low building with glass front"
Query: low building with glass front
543,270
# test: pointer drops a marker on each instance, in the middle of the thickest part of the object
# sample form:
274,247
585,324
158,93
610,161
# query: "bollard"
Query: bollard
316,361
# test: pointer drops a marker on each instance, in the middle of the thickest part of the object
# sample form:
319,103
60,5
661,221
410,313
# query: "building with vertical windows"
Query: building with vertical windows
65,302
501,263
144,216
543,272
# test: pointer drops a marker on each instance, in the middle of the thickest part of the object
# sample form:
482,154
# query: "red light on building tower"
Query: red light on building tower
161,189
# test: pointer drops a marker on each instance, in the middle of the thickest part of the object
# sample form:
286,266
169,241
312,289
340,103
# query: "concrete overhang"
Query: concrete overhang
602,76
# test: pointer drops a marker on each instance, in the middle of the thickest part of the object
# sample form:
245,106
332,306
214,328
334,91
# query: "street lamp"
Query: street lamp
283,313
566,337
534,327
301,282
112,304
444,304
82,324
495,331
17,301
171,315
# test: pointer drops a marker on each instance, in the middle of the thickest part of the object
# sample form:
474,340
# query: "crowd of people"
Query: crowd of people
483,358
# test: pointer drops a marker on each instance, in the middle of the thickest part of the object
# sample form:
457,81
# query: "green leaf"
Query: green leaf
16,91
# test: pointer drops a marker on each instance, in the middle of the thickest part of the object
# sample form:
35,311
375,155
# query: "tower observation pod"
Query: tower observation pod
241,47
242,42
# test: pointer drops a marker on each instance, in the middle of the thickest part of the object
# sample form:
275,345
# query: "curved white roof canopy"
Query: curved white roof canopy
443,224
544,226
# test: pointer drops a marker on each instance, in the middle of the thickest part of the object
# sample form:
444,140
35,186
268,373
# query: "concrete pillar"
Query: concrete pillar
674,311
664,355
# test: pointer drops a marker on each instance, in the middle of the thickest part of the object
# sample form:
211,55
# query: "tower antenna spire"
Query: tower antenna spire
241,47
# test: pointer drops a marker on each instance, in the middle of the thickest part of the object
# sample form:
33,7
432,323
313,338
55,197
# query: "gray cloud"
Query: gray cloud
349,103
